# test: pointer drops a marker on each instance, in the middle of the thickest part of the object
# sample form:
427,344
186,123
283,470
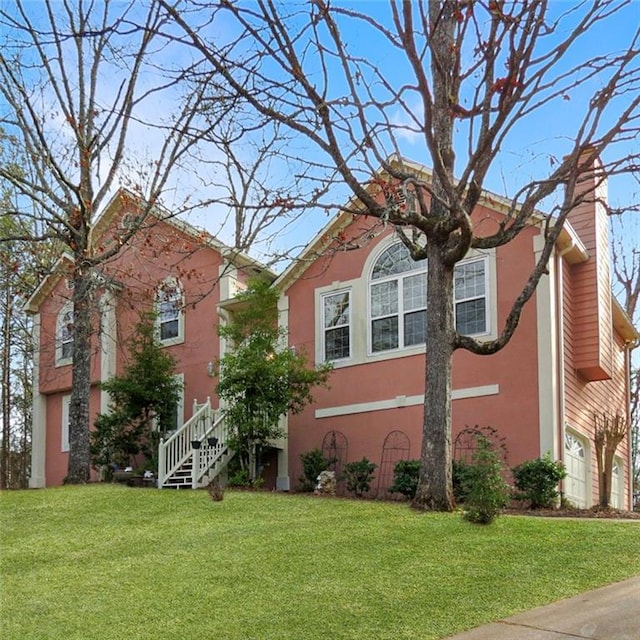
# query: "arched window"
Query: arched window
398,299
169,309
64,335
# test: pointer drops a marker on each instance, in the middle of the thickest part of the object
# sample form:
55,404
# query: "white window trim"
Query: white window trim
60,361
323,330
360,339
64,424
487,294
179,339
353,286
490,296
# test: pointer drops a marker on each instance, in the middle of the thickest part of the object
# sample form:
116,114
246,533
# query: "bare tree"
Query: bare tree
20,264
78,83
461,80
609,432
626,273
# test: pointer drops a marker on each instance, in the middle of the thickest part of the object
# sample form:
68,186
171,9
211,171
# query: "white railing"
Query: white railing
213,450
201,441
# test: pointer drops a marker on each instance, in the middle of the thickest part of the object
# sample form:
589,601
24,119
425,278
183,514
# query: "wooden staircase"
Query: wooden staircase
197,452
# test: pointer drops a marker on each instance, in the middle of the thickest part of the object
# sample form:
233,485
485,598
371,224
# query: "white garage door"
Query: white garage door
617,486
575,461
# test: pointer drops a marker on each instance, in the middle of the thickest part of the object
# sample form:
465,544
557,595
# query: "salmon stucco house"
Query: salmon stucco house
363,309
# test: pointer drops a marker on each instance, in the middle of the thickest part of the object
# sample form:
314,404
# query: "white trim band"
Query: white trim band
403,401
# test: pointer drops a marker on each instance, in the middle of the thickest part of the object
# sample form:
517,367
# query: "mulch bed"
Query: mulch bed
593,512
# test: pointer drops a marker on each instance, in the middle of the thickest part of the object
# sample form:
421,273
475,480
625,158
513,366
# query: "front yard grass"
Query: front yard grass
107,561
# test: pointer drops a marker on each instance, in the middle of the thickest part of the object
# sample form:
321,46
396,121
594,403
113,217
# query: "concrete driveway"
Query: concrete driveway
608,613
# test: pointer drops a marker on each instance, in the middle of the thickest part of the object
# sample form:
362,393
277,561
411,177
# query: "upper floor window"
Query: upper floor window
470,297
64,335
336,313
398,299
169,309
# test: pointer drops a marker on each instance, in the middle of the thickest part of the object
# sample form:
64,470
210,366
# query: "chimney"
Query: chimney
593,327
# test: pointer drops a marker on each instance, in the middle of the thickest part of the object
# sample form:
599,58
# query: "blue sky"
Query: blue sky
539,141
527,154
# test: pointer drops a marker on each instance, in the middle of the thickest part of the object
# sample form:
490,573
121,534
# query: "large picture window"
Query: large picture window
169,303
398,299
336,310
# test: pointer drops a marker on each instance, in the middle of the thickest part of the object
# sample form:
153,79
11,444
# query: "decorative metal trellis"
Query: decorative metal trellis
335,447
466,443
396,447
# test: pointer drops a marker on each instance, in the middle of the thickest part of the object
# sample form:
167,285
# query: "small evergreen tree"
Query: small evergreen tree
259,380
486,491
359,476
405,478
143,403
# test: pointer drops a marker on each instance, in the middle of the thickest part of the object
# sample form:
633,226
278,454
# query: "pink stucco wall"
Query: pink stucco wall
514,412
159,252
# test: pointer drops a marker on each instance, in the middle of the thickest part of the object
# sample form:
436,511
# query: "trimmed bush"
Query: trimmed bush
537,481
488,493
358,476
405,478
313,462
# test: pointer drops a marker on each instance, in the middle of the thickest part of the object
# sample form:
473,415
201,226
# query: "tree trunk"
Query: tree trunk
434,486
6,389
435,490
79,454
607,474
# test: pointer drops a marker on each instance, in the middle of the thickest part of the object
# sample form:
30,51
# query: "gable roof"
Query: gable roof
323,239
109,213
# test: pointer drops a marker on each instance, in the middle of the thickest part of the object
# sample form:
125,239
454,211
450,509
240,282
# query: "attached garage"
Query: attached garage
617,485
576,463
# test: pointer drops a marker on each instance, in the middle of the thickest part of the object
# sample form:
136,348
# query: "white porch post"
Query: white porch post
37,480
283,480
108,342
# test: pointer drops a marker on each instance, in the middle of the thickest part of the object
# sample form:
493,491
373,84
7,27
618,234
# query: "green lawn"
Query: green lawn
112,562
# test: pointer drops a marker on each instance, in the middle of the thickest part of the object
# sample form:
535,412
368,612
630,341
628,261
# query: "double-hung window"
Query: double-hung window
398,300
470,297
336,318
169,305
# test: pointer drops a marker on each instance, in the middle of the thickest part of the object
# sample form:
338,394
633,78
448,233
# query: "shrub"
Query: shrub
240,478
313,462
405,478
461,476
537,481
488,492
358,476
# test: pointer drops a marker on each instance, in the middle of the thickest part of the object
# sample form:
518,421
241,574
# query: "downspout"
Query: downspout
629,345
225,318
560,355
560,351
37,479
